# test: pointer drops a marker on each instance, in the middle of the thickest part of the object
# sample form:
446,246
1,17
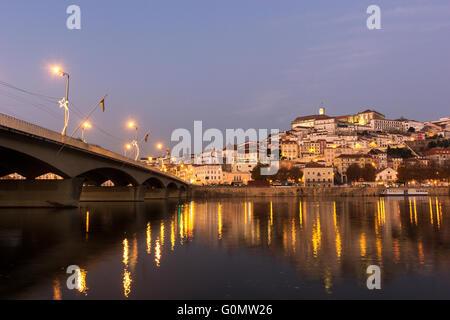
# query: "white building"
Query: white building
387,175
413,124
327,125
386,125
207,174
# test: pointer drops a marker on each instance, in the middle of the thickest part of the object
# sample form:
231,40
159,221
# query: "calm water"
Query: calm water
232,249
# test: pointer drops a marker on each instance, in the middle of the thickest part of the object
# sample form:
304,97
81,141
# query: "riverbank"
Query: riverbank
245,192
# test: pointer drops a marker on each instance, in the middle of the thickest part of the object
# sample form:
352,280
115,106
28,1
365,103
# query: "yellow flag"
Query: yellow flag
102,103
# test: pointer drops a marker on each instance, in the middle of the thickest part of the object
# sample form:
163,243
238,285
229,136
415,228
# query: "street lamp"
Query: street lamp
64,103
160,146
86,125
136,146
128,147
131,125
135,143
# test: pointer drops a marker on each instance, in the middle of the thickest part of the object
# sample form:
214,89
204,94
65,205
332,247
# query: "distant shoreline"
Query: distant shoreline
246,192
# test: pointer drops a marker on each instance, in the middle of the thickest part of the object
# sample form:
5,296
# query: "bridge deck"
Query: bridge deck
22,127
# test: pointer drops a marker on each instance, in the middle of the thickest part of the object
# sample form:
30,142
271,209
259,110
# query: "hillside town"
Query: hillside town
320,150
323,150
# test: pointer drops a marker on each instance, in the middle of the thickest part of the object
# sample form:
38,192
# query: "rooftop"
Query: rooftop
438,151
353,156
315,165
312,117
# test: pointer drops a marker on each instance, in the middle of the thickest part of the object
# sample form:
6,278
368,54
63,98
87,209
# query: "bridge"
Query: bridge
32,151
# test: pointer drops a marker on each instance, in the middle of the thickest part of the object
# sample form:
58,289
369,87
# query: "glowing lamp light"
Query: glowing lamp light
159,146
87,125
56,69
128,146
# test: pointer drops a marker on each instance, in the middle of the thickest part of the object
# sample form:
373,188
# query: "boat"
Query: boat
404,192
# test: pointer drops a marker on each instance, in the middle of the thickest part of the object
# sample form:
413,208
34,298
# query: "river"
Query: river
260,248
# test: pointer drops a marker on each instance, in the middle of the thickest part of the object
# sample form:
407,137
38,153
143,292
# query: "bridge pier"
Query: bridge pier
40,193
155,193
172,194
113,194
184,194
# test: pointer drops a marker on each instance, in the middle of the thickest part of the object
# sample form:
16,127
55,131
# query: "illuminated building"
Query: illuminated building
316,175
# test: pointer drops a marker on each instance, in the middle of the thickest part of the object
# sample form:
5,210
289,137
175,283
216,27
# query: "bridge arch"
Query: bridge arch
172,190
154,183
99,176
172,186
13,161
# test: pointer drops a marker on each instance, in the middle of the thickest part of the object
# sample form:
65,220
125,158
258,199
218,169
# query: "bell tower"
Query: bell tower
322,111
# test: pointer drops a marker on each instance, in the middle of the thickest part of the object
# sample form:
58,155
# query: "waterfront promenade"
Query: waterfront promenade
233,192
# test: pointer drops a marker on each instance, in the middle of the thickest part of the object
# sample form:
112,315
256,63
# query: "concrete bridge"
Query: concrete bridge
33,151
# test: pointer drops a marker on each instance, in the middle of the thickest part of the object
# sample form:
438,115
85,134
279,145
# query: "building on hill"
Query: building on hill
344,161
308,121
431,130
416,125
379,158
363,118
386,125
316,175
322,121
387,175
330,153
440,156
289,150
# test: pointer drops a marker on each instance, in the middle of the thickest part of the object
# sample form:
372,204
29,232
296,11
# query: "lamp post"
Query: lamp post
135,143
131,125
126,148
85,126
160,146
64,103
137,151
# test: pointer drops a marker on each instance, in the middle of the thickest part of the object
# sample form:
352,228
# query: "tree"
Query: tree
419,173
432,145
256,173
295,174
403,153
369,173
353,173
356,173
283,174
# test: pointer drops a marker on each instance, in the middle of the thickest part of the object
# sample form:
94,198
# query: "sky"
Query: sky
229,63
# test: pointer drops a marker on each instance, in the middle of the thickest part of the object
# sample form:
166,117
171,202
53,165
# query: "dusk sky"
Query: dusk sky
231,63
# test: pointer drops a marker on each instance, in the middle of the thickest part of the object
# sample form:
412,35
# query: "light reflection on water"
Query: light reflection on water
255,248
